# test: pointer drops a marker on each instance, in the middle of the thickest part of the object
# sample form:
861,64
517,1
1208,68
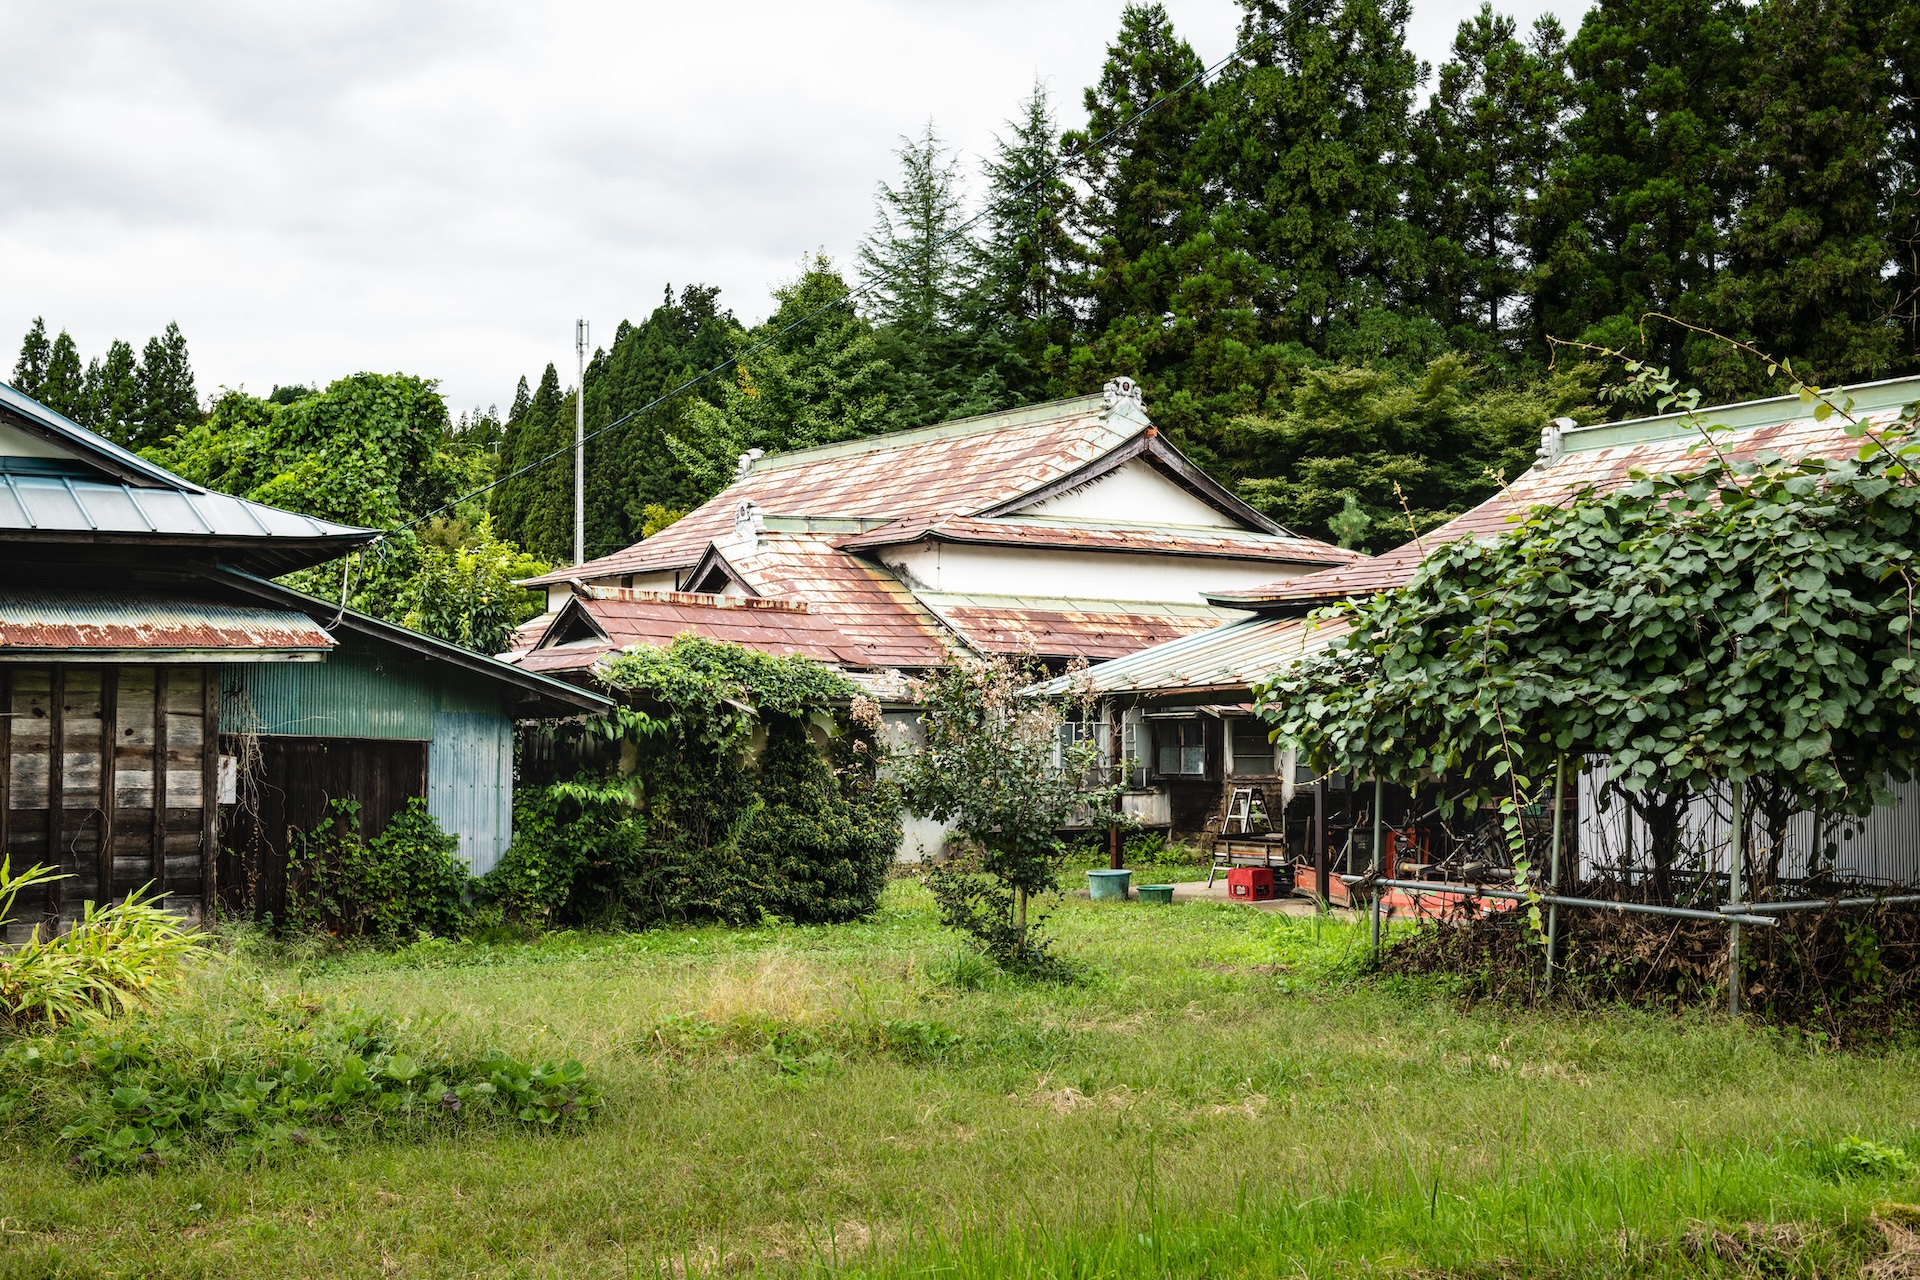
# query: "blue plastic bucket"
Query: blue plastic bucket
1107,884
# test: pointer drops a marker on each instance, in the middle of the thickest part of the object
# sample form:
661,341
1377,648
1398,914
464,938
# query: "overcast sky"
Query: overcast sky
313,189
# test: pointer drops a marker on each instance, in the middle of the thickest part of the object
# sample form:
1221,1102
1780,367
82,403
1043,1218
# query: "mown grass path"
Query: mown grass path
1218,1098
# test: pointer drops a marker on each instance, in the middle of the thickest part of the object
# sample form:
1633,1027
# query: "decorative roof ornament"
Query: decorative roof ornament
745,464
749,525
1123,394
1552,440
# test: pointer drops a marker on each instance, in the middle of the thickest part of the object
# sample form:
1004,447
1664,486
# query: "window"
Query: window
1180,747
1252,753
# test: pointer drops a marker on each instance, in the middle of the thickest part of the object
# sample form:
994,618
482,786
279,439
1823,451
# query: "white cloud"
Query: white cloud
316,188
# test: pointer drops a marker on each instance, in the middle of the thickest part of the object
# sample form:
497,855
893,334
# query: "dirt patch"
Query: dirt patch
1899,1225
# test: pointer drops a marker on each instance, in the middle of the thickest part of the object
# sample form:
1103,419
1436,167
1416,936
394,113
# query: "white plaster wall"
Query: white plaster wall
15,443
1083,575
1132,494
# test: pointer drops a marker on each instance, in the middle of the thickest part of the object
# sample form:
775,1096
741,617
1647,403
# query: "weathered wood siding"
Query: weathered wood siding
107,772
293,786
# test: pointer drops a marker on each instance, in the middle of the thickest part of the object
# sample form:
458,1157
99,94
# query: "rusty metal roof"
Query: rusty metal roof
1082,535
45,623
1220,661
1059,628
891,488
873,610
1601,457
606,620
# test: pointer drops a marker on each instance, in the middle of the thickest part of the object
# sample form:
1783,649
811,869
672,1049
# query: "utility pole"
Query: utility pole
580,446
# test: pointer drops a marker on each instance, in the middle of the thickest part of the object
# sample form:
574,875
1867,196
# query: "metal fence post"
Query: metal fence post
1736,856
1553,873
1379,792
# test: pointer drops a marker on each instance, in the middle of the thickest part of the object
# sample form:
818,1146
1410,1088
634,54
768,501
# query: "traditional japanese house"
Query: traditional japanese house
1184,707
163,698
1061,531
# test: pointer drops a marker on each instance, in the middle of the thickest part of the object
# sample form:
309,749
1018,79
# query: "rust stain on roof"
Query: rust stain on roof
1069,633
1603,469
623,619
52,621
1163,540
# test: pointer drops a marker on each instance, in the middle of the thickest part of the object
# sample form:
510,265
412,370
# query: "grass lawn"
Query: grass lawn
1218,1098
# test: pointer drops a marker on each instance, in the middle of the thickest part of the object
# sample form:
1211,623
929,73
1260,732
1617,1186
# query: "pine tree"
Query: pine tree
63,390
1485,141
535,510
1901,54
914,262
1633,218
1141,203
168,402
1318,153
111,393
30,371
632,469
1025,257
1808,249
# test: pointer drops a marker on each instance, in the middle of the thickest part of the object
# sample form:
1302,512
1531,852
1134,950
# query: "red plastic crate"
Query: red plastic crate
1252,883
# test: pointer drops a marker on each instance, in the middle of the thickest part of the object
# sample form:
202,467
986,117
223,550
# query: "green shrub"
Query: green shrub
107,962
1854,1157
706,819
258,1073
406,880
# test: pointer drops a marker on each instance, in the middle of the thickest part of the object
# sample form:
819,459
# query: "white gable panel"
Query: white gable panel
963,569
1130,495
15,443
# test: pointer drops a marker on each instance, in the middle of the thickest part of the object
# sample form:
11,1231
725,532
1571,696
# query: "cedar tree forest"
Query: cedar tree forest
1338,273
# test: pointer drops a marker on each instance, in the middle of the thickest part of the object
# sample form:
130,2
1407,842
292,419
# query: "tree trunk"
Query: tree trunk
1020,920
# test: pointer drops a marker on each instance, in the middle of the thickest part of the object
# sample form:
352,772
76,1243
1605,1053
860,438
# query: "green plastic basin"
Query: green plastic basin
1156,893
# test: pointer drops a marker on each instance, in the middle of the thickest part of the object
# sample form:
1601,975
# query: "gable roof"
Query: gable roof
1603,457
605,620
97,493
959,477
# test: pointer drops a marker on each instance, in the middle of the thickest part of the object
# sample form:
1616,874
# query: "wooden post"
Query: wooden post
109,733
1553,875
1320,841
160,779
1379,872
1736,855
56,786
209,794
1114,744
6,761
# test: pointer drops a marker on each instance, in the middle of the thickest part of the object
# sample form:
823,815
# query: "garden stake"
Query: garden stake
1553,873
1378,792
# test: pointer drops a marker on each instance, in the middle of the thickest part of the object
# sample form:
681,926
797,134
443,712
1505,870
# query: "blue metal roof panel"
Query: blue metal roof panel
90,442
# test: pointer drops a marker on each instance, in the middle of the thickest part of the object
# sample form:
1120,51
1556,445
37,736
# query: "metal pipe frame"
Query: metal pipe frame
1814,904
1554,899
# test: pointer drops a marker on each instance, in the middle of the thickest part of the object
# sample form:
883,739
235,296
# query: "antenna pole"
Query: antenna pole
580,446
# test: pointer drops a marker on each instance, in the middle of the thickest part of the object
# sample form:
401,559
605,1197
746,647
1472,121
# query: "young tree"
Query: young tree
536,509
30,370
914,261
997,766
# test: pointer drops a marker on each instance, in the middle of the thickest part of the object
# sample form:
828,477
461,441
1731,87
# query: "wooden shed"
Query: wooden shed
143,645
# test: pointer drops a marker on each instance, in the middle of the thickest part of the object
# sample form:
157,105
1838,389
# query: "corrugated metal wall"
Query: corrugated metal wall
366,689
1883,848
470,783
362,690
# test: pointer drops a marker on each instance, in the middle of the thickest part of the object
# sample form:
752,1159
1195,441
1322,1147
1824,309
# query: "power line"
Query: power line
844,300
